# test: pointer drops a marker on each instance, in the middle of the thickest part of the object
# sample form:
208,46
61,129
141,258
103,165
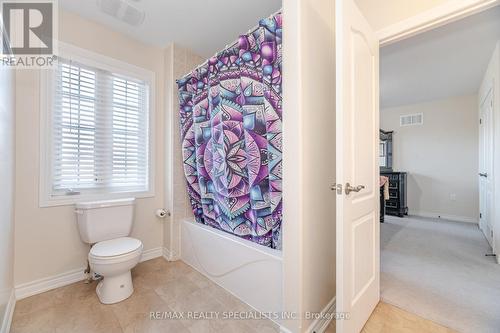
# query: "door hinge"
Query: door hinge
480,121
480,215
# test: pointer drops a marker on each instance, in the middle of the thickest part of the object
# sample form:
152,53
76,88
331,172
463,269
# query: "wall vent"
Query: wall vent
411,119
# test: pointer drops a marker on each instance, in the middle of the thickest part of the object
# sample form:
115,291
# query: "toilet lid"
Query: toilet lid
115,247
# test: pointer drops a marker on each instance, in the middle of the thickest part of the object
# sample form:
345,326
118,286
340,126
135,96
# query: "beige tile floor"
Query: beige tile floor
162,286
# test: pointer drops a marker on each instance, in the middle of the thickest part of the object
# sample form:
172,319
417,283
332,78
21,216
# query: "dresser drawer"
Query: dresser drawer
393,185
393,194
392,204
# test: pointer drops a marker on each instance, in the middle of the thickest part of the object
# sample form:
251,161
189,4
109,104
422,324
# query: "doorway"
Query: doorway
437,239
416,27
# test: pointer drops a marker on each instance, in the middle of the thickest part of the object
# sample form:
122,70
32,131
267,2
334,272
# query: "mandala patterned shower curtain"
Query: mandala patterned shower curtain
230,115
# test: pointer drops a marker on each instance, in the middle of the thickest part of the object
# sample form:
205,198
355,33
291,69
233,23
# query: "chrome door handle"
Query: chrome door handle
349,188
485,175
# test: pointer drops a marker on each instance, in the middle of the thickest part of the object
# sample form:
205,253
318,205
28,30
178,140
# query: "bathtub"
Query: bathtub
251,272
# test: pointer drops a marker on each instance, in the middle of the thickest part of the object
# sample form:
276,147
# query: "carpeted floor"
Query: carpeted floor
438,270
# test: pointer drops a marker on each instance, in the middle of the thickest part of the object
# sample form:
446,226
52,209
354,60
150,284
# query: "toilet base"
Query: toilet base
114,289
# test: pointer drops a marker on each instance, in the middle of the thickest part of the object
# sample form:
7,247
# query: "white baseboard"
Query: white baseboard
9,313
151,254
52,282
170,256
320,324
456,218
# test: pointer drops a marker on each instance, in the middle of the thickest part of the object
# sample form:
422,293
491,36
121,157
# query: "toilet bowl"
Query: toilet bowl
113,259
107,225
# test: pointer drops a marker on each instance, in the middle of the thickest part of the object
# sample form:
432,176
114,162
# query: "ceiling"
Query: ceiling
201,25
441,63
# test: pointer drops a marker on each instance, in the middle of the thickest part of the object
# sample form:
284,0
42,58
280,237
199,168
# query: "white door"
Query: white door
358,226
486,166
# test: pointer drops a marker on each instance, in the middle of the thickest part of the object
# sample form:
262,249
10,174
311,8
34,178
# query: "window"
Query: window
97,135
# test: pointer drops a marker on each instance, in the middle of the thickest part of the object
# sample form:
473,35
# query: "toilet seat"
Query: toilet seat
113,260
115,250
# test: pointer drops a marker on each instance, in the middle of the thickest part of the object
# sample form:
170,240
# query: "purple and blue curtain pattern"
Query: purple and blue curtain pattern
230,115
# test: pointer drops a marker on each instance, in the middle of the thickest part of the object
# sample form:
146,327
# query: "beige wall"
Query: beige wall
47,242
308,158
383,13
318,104
7,167
178,61
441,156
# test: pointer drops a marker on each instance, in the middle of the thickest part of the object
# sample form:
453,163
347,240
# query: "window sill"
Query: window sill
71,200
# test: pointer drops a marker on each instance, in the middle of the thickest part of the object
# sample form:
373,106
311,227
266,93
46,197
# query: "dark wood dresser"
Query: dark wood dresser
397,203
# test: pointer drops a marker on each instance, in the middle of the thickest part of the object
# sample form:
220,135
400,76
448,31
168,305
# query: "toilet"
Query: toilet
107,225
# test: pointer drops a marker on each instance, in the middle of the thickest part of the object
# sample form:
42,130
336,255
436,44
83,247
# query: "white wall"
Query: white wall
441,156
383,13
47,242
7,167
178,61
492,76
308,158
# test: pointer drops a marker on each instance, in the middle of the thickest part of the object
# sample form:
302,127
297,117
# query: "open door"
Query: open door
358,228
486,167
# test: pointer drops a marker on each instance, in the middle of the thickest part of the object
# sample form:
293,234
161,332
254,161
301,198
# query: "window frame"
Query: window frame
88,58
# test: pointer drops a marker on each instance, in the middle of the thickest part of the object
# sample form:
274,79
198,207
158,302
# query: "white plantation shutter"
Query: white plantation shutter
74,129
100,131
130,133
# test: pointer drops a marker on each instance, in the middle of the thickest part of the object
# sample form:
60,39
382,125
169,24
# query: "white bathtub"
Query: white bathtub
251,272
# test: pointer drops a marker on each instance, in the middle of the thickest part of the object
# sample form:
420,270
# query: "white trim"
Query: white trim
166,254
89,58
169,140
448,217
320,324
170,256
448,12
9,313
60,280
45,201
151,254
52,282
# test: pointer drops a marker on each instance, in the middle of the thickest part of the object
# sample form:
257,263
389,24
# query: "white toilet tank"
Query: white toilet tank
104,220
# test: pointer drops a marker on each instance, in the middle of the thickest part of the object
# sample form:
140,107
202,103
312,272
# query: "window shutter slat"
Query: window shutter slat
99,131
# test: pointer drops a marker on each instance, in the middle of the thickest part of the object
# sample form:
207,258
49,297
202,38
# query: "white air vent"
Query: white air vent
411,119
122,10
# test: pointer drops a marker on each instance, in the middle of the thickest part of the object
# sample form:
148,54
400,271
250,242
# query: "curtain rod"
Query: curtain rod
251,30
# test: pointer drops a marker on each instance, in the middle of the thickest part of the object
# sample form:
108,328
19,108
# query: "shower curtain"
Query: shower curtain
230,115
